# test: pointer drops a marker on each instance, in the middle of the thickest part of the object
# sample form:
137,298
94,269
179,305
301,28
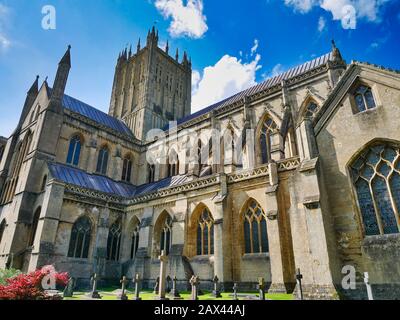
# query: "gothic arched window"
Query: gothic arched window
364,98
1,153
165,237
80,239
114,241
102,161
311,110
173,164
376,178
2,229
34,227
74,150
135,242
19,157
268,128
44,181
255,229
200,155
205,234
152,173
127,169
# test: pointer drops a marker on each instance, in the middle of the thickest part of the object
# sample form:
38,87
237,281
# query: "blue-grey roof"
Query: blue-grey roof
269,83
80,178
95,115
83,179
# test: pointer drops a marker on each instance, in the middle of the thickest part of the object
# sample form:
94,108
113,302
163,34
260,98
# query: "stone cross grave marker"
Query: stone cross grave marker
299,277
157,285
137,287
195,282
169,280
123,295
174,292
69,289
261,288
163,270
368,285
216,293
235,291
94,294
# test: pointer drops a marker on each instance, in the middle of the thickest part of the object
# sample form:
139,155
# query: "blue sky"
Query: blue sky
233,44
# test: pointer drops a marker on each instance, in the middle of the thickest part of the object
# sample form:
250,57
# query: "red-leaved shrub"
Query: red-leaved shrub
30,286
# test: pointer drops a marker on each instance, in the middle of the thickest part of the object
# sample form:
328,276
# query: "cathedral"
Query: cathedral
298,173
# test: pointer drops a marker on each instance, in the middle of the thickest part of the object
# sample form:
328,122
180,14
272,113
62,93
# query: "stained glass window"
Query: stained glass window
311,110
102,161
205,234
376,178
74,150
268,128
80,239
364,98
114,241
255,229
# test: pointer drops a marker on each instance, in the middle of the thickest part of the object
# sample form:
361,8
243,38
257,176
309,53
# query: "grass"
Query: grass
108,295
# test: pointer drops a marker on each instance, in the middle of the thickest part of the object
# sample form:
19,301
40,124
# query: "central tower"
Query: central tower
150,87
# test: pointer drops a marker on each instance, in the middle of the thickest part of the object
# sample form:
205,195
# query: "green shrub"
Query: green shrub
7,274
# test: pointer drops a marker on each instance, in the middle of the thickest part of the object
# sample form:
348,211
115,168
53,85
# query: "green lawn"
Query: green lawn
107,294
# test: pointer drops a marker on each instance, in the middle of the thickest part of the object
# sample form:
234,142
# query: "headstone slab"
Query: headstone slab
69,288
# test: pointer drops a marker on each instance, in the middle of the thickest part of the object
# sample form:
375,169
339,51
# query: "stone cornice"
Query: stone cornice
186,187
258,96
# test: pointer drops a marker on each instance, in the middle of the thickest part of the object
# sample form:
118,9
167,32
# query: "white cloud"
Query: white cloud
276,70
5,42
227,77
187,20
345,11
255,47
303,6
321,24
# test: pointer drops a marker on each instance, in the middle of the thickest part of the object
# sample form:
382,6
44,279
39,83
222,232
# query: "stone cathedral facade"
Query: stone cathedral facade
301,171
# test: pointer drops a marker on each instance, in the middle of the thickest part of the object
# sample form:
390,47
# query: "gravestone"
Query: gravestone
368,285
69,288
157,285
299,277
235,291
174,292
216,293
94,294
123,295
195,282
261,288
169,280
137,287
163,270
